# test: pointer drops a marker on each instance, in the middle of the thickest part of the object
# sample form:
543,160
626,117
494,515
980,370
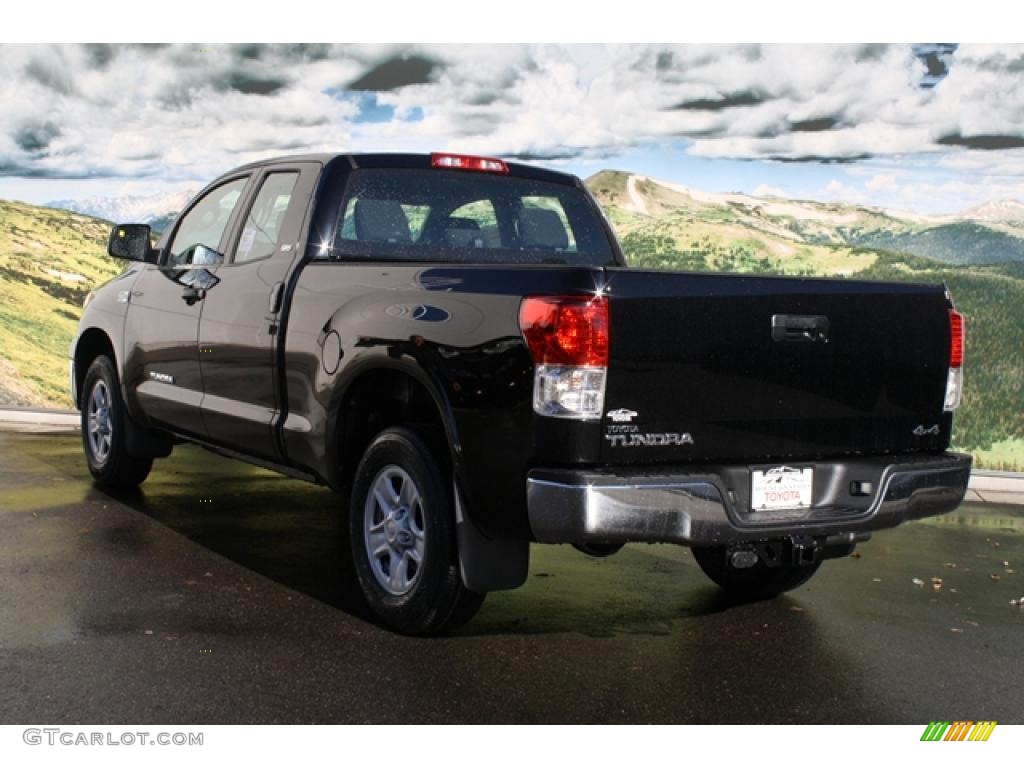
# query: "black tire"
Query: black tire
434,599
110,463
759,582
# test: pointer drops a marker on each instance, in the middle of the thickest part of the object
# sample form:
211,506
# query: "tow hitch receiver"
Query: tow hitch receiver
794,550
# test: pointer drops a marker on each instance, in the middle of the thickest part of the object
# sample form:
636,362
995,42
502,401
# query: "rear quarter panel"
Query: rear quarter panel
455,329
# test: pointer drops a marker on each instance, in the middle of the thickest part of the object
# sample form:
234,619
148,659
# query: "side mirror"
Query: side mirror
201,279
201,256
197,282
130,241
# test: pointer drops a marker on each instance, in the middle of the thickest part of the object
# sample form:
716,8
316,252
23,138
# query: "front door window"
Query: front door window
202,228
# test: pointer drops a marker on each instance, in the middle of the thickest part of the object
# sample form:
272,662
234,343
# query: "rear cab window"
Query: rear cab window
261,234
459,216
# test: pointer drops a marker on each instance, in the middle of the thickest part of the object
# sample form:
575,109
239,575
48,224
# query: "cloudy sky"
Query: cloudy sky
930,127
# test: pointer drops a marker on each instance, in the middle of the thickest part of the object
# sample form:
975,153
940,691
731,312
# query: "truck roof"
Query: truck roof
406,160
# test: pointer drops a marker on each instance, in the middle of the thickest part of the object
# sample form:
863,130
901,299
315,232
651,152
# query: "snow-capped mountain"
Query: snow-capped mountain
136,209
1000,211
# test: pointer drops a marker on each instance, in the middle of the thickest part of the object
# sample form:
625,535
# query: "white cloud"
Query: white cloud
766,190
881,181
843,193
923,190
955,195
179,114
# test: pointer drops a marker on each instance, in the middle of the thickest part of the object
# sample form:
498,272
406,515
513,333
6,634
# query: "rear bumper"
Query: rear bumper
710,506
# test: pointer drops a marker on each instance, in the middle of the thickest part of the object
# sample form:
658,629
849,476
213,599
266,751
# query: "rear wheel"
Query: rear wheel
758,582
402,535
104,430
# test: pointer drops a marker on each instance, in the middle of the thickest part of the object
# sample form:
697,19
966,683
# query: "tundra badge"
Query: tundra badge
634,439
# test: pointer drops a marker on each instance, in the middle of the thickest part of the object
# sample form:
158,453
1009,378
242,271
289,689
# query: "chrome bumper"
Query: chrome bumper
711,506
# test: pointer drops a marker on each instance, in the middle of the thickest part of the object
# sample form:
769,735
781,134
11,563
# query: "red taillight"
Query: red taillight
956,339
468,163
566,330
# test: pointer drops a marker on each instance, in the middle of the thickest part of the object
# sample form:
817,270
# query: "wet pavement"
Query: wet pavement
216,595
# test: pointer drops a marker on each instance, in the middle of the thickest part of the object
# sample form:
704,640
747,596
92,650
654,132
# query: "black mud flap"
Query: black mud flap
488,565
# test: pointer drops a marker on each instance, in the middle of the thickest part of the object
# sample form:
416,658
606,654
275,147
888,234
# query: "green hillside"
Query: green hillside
993,303
963,242
642,209
49,261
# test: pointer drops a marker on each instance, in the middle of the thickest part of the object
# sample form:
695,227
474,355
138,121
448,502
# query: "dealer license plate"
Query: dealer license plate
781,488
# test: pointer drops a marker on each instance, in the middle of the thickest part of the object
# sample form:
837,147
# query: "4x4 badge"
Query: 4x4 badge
920,430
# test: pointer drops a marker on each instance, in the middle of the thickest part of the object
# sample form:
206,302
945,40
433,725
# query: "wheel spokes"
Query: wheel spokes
389,484
98,423
393,530
382,502
416,521
377,541
408,496
400,571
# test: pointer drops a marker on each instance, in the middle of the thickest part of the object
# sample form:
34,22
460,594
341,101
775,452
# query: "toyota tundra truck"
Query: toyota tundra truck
456,346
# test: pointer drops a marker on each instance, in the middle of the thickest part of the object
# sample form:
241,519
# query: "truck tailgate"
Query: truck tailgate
733,368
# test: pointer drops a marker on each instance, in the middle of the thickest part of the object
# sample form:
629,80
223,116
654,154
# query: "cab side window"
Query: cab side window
202,228
261,234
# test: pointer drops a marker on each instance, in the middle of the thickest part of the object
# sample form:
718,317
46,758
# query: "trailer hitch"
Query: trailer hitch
794,550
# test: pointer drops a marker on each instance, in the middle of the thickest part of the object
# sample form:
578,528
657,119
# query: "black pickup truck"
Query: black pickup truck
456,346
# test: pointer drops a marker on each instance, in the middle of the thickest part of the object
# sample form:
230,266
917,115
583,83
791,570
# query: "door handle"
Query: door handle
800,328
275,298
192,294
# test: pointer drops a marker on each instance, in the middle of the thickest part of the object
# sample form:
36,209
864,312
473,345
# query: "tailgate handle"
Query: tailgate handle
800,328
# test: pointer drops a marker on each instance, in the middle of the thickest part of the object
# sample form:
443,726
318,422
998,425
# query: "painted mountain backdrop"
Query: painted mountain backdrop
156,210
779,235
50,259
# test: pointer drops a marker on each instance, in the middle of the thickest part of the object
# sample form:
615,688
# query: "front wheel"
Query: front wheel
758,582
402,535
104,430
